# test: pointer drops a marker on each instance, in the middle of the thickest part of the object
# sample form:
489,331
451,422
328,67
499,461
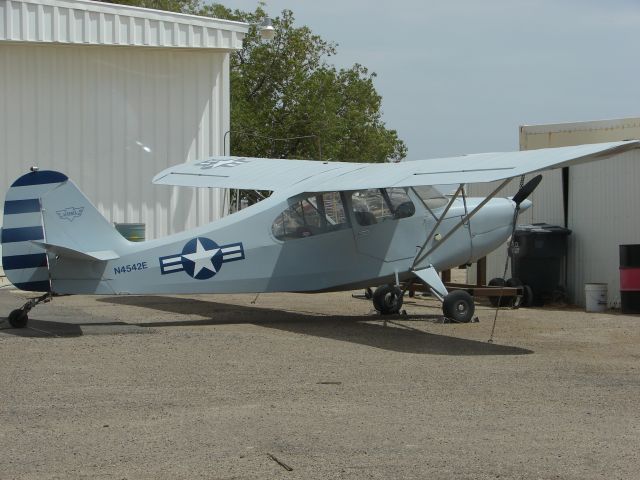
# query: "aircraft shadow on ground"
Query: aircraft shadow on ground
394,334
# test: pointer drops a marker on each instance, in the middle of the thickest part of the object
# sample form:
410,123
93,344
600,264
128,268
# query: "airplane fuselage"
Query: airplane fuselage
296,244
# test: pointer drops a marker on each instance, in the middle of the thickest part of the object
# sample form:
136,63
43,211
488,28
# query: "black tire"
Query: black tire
559,295
18,318
387,299
513,302
458,306
368,293
527,296
495,300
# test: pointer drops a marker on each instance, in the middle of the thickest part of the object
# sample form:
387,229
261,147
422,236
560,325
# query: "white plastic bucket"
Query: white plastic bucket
595,295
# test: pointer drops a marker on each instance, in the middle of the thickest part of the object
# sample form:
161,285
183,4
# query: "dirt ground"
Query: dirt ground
314,386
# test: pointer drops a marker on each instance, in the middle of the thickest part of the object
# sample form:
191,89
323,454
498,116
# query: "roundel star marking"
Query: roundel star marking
201,258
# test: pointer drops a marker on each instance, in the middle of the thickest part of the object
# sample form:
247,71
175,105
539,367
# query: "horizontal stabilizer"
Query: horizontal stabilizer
101,256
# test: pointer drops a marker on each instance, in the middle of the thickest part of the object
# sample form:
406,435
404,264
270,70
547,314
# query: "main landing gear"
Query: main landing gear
19,317
457,305
387,299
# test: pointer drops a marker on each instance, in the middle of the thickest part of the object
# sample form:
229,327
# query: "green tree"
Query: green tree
285,88
287,101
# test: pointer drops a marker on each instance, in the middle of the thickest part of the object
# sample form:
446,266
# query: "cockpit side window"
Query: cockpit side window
315,214
380,204
431,197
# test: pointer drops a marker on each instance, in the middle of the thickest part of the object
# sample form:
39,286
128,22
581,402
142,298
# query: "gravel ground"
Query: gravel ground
217,387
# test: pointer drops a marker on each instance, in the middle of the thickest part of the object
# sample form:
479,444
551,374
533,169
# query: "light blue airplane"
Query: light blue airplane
327,226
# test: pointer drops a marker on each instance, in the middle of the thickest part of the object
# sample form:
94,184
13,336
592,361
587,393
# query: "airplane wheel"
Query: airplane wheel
368,293
458,306
387,299
18,318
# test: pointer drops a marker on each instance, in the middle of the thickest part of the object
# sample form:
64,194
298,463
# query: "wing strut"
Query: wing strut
420,256
424,245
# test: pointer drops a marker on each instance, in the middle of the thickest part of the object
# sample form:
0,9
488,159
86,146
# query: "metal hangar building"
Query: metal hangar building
112,94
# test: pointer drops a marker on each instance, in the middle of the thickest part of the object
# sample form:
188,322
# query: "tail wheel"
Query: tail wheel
387,299
18,318
458,306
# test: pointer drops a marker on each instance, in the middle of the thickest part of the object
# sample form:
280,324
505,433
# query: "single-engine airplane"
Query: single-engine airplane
327,226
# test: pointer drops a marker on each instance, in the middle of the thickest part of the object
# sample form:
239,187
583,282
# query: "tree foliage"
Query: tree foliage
285,88
287,101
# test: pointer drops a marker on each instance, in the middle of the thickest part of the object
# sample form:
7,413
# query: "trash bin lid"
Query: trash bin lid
542,229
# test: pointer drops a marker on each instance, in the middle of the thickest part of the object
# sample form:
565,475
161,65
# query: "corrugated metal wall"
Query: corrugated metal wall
111,117
603,214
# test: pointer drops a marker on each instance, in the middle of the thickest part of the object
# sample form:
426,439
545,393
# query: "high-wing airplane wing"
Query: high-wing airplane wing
317,176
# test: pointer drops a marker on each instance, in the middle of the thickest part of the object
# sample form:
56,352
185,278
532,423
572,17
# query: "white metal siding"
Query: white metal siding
110,118
94,23
603,214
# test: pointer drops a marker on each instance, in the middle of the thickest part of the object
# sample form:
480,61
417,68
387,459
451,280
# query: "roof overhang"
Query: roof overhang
83,22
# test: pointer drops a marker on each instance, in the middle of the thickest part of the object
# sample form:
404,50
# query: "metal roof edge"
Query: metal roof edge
140,12
85,22
543,129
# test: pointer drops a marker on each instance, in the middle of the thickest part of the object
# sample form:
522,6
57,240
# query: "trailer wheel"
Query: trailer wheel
514,282
527,296
458,306
387,299
513,302
496,299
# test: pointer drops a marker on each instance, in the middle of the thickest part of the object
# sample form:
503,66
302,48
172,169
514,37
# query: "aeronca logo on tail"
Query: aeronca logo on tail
201,258
70,213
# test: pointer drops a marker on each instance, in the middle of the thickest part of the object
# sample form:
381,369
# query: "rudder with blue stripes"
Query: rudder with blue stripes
25,263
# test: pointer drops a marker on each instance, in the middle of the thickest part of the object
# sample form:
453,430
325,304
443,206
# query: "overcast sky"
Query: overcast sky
460,76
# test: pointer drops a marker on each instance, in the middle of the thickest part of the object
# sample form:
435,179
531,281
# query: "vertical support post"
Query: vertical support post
446,276
481,271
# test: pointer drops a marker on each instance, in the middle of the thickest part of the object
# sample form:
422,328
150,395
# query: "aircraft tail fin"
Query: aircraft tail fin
45,217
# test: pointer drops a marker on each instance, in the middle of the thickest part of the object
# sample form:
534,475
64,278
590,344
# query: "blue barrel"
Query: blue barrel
134,232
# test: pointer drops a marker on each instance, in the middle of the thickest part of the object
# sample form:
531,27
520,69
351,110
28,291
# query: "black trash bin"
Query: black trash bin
538,255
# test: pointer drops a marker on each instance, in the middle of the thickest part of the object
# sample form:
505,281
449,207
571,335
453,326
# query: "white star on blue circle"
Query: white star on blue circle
201,258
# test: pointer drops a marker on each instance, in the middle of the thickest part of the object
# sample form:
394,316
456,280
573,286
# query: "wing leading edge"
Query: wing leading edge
317,176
